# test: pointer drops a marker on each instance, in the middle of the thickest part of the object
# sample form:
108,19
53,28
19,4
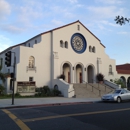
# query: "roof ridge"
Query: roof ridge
50,31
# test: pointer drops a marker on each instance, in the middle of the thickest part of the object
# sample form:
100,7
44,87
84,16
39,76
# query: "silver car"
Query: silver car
117,95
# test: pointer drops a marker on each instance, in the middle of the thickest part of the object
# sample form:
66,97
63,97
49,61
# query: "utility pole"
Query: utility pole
14,78
8,59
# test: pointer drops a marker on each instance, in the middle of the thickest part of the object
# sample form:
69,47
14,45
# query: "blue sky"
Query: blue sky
20,20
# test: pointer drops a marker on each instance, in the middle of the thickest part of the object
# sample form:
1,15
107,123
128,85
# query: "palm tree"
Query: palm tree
121,20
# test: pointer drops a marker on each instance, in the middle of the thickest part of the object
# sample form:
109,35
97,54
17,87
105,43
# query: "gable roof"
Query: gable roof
49,32
71,24
123,69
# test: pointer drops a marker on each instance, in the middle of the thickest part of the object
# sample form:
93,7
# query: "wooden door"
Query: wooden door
80,77
68,77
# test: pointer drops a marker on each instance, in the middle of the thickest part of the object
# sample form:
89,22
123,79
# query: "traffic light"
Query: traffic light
8,58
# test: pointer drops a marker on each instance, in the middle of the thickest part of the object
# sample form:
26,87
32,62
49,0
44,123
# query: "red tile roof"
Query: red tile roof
123,69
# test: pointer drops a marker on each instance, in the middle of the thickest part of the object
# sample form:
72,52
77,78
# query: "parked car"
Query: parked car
117,95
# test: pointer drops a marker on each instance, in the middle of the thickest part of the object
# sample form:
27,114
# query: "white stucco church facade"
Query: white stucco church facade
71,50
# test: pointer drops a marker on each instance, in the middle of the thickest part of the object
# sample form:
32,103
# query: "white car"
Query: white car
117,95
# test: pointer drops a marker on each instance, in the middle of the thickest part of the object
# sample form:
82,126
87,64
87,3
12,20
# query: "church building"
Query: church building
71,50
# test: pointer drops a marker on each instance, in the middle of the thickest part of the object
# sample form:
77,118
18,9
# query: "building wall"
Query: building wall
42,54
86,58
126,76
50,57
106,61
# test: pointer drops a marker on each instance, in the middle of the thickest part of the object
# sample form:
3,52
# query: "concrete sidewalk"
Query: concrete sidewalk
30,102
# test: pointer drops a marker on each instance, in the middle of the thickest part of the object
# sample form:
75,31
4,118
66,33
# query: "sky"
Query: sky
21,20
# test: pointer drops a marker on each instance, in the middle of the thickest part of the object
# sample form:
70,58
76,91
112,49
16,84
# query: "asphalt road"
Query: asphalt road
94,116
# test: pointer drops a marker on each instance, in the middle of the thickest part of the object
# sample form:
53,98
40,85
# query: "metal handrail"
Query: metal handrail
93,87
112,83
71,91
106,87
102,85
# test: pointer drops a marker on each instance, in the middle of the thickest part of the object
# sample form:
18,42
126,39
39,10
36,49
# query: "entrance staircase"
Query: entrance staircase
91,90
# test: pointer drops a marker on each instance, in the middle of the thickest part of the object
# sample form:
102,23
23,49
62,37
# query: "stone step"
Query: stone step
86,90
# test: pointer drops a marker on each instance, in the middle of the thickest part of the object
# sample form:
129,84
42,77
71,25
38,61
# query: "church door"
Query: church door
80,77
68,77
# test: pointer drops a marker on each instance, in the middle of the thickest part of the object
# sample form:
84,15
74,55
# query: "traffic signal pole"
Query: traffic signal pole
14,78
8,60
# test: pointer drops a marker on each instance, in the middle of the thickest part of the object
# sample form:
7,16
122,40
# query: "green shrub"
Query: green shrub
45,91
42,91
17,94
9,95
100,77
37,89
56,92
62,76
36,95
120,82
111,80
1,89
3,94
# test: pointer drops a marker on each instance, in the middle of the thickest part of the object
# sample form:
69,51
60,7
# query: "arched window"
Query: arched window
66,44
29,44
90,49
78,27
31,62
123,79
128,83
56,87
61,43
35,41
93,49
110,69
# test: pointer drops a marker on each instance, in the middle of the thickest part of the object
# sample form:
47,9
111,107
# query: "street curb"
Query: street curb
46,105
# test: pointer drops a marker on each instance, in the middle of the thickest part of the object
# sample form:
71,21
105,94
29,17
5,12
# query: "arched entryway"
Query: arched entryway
90,74
67,72
128,83
79,73
123,80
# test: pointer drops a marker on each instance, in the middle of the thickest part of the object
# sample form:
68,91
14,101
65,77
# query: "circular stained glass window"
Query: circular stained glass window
78,43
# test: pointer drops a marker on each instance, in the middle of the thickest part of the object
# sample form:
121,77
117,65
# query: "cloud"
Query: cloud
106,11
63,12
109,23
13,29
79,5
30,13
76,3
5,9
102,17
101,27
4,42
69,14
57,22
124,33
25,16
73,1
109,1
